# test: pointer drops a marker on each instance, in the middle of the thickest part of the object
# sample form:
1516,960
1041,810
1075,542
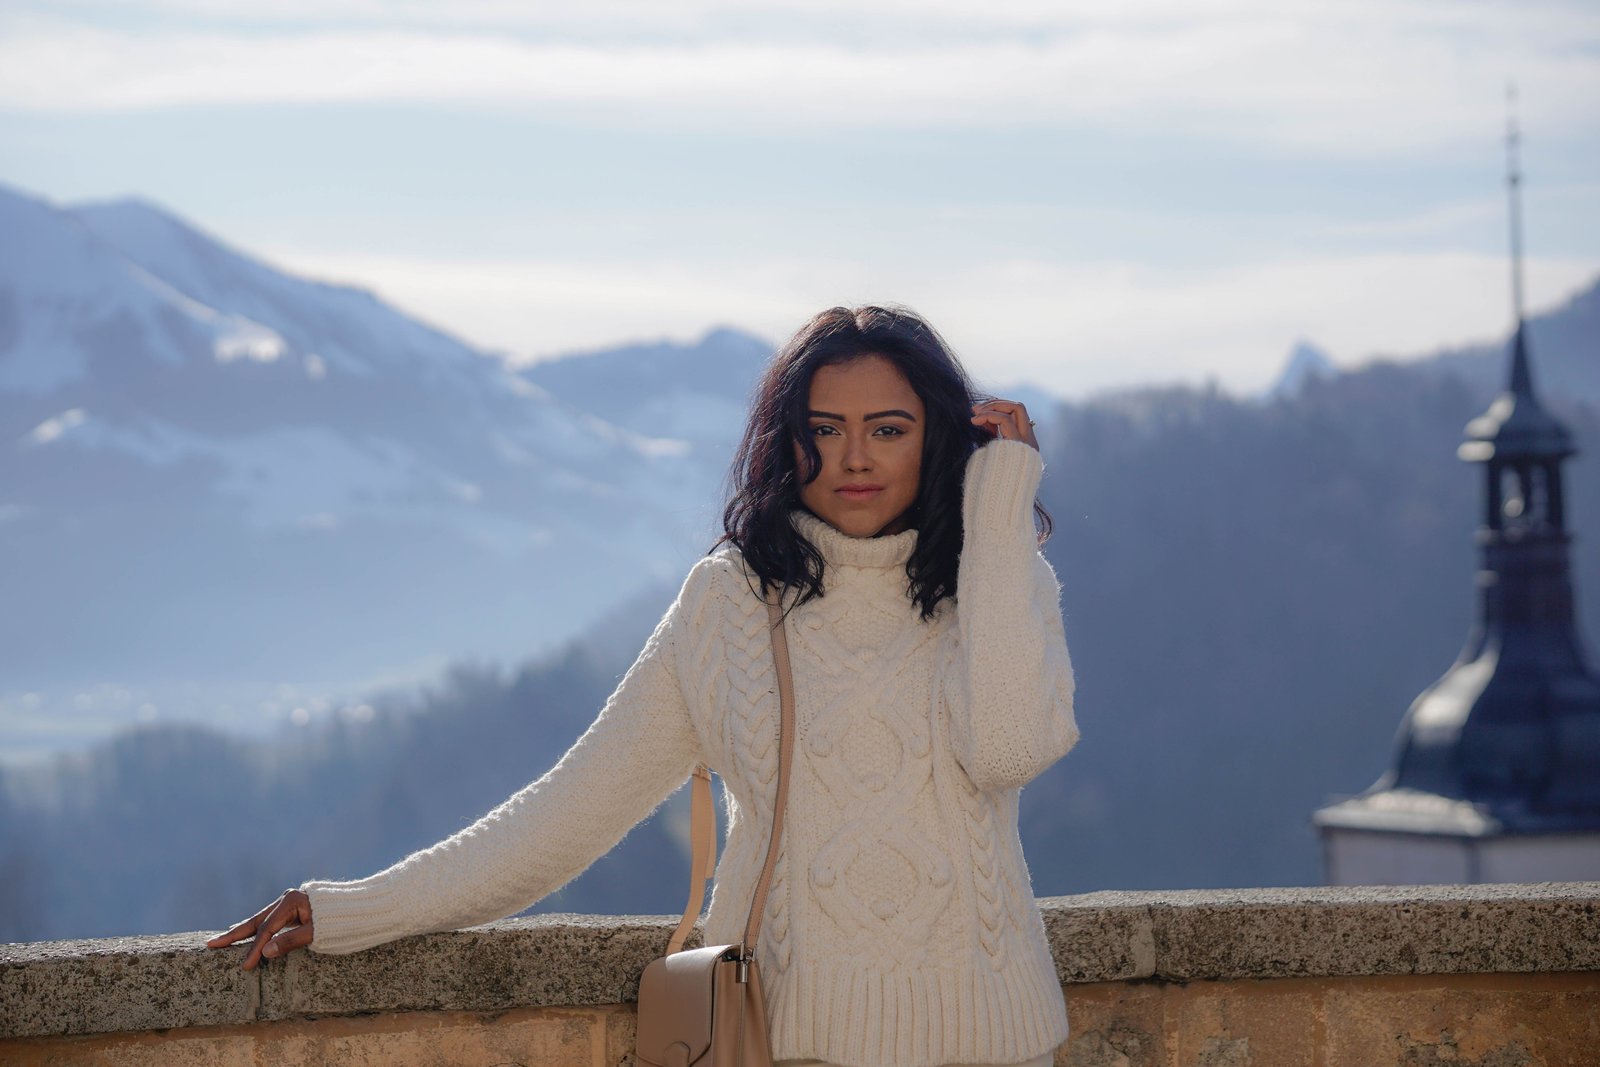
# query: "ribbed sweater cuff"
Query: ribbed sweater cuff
1002,479
351,916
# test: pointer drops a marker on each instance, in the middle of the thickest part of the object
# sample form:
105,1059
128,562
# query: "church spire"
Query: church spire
1521,383
1514,199
1501,756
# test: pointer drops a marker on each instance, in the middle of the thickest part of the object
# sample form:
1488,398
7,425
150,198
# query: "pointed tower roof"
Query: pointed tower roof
1507,741
1516,426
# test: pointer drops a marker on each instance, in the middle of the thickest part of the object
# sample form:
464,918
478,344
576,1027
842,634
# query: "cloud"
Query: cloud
843,17
1389,80
1358,78
1074,328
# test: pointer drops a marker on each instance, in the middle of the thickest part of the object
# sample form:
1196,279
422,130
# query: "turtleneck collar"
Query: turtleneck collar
841,550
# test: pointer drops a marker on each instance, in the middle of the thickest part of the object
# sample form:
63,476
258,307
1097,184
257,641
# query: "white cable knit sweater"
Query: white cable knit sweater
900,926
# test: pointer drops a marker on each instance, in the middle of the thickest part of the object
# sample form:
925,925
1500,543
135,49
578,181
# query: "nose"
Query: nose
856,457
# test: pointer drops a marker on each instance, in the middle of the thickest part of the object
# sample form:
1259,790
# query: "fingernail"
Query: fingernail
271,949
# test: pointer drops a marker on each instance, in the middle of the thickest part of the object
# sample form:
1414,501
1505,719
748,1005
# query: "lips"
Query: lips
859,492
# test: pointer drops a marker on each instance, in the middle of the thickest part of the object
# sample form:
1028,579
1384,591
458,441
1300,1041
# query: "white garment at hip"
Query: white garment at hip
1041,1061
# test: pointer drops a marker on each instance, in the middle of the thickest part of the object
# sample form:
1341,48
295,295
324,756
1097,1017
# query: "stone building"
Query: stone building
1496,773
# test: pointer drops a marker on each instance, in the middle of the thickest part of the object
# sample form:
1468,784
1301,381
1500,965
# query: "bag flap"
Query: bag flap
676,993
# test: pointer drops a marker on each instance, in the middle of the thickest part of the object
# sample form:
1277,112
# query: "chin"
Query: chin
857,522
861,527
864,526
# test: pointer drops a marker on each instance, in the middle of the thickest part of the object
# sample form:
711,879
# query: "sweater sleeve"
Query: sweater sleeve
1010,686
636,753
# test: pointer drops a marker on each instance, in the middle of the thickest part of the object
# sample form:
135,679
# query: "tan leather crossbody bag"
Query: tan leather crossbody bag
704,1007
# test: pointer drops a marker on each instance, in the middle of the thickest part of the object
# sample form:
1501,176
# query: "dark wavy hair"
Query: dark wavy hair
764,481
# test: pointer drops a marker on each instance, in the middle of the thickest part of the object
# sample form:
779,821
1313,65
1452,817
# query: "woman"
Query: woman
931,682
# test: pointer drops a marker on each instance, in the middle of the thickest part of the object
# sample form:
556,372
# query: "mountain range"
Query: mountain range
233,495
218,478
1254,588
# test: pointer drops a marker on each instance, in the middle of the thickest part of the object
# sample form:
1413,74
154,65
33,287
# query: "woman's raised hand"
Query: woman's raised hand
1006,419
290,913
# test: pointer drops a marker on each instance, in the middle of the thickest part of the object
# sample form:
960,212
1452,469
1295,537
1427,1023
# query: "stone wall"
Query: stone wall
1466,976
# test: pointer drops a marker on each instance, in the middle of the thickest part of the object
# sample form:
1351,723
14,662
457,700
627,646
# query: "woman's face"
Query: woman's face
867,423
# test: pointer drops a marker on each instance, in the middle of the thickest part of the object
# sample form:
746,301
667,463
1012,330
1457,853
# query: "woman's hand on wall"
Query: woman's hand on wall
290,914
1006,419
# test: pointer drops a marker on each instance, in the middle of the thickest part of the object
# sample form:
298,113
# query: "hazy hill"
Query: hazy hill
1566,347
216,475
206,825
1254,591
698,393
695,392
214,467
1254,595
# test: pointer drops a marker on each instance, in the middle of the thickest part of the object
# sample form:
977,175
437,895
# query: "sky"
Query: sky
1082,196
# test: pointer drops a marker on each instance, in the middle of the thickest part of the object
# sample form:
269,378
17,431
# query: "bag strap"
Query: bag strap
703,820
780,654
702,853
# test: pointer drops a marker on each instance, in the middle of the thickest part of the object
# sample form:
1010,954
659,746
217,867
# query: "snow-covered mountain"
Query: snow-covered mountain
212,470
699,392
696,392
1305,363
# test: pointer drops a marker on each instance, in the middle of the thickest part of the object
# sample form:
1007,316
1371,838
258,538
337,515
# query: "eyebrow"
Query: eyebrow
892,412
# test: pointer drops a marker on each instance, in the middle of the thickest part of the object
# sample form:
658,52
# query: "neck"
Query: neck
888,548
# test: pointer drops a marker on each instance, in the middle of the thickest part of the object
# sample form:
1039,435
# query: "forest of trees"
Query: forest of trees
1254,591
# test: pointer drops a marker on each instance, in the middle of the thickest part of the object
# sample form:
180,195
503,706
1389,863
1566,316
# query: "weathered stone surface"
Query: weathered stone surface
1480,1020
1115,1024
1465,1021
546,1037
59,988
1476,1020
1100,937
134,983
546,960
1276,933
203,1046
621,1031
1241,1024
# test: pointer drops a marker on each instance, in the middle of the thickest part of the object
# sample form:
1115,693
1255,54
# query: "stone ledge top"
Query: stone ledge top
156,983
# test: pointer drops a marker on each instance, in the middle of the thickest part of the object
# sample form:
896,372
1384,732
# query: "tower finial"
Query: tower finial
1513,194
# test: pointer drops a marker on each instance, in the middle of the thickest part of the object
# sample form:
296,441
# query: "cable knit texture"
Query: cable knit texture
901,926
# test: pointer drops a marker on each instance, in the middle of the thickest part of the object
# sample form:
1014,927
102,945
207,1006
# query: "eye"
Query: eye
822,429
890,431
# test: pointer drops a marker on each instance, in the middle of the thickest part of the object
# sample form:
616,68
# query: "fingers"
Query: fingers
1006,419
292,910
286,942
279,928
242,930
